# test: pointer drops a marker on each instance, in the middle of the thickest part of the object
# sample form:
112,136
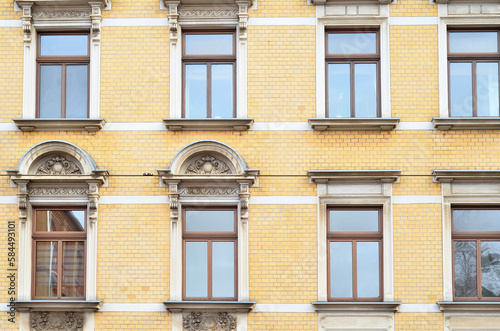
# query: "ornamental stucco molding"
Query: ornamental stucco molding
208,165
208,322
209,191
58,191
58,165
53,321
69,14
206,13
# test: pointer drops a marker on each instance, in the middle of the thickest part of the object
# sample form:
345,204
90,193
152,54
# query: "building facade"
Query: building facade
240,165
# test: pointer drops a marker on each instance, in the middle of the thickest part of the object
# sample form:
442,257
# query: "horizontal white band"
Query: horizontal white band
414,126
11,23
152,126
283,308
281,126
133,307
419,308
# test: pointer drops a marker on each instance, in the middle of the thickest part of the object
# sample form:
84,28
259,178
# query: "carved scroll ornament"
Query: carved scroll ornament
45,321
58,165
208,322
208,165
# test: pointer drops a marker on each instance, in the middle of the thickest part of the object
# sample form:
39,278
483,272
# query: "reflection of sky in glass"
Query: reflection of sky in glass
464,263
339,87
490,268
222,90
196,91
210,220
64,45
341,270
365,78
209,44
487,88
50,91
461,89
473,42
368,269
223,269
80,216
76,91
196,269
352,43
476,219
353,220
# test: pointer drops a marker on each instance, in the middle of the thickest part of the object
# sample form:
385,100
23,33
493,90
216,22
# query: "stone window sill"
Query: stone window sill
209,306
356,306
208,124
60,124
326,2
350,124
58,305
469,307
466,123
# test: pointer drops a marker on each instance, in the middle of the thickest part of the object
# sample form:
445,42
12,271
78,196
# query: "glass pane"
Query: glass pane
73,269
210,220
352,43
64,45
354,220
341,269
490,268
339,90
473,42
476,219
76,91
46,269
365,89
50,91
368,269
461,89
196,91
465,268
209,44
223,269
487,89
222,91
196,269
60,220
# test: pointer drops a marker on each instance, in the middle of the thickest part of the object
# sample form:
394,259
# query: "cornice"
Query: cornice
58,305
356,307
65,3
62,124
466,123
209,306
352,124
327,2
446,176
469,307
384,176
209,124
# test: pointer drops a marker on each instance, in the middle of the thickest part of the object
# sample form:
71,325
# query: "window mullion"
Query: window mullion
478,269
63,90
354,269
353,94
209,90
474,89
209,265
59,268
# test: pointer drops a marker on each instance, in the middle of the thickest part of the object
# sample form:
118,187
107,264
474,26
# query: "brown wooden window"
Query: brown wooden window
353,73
473,69
354,254
476,253
209,74
210,241
63,75
59,246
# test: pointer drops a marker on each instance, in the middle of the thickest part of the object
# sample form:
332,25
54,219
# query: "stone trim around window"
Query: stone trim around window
327,2
322,307
347,124
209,306
209,124
466,123
71,15
63,124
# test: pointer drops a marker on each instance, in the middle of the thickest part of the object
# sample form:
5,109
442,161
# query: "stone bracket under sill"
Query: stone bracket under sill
208,124
209,306
58,305
469,307
353,124
466,123
59,124
365,307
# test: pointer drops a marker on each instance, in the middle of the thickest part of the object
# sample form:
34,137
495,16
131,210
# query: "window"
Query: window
209,73
354,254
476,253
473,66
353,74
210,249
63,75
59,240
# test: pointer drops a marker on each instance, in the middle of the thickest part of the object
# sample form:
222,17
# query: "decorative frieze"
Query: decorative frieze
210,13
52,321
57,191
209,191
58,165
64,14
208,165
208,322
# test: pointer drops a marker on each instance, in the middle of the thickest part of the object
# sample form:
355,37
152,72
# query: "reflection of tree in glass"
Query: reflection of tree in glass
465,269
490,268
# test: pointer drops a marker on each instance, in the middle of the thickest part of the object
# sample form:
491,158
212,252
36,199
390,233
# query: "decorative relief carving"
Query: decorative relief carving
244,200
22,199
208,322
27,22
69,14
173,20
209,191
45,321
217,13
208,165
173,194
93,198
58,191
58,165
243,18
96,17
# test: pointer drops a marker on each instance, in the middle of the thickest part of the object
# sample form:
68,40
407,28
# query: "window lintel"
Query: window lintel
447,176
383,176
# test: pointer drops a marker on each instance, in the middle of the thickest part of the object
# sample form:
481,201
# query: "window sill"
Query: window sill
209,306
349,124
356,306
208,124
59,124
466,123
58,305
323,2
469,307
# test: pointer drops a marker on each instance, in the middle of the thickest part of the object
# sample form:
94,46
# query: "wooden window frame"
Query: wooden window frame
472,58
352,60
208,60
59,237
209,237
478,237
355,237
63,61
